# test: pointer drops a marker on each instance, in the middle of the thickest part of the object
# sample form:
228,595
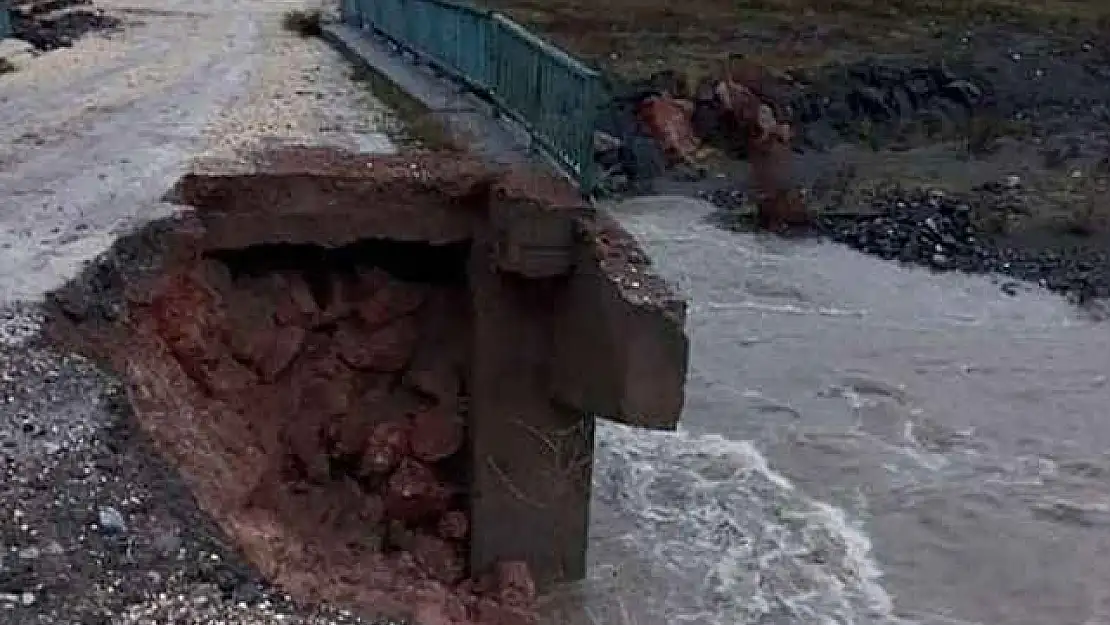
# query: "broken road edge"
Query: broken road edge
569,322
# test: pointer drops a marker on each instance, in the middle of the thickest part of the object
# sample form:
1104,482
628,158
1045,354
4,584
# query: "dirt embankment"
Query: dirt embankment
321,349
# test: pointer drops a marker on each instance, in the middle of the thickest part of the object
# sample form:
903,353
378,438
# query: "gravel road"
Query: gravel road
94,529
90,137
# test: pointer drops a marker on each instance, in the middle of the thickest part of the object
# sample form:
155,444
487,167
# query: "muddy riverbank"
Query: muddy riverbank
1007,134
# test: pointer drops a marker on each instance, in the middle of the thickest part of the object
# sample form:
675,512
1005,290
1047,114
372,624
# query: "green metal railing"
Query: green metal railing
5,19
552,95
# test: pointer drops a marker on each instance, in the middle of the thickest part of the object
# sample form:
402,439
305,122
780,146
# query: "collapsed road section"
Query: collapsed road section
380,374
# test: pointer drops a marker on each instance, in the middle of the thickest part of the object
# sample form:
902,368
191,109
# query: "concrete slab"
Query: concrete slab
464,115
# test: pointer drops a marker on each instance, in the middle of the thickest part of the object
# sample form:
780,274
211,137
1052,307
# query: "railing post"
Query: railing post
591,102
354,13
552,94
5,19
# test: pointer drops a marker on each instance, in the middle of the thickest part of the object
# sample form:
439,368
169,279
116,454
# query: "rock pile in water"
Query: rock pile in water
920,227
948,232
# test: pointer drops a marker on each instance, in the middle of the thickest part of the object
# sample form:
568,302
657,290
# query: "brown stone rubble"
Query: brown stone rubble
416,448
749,117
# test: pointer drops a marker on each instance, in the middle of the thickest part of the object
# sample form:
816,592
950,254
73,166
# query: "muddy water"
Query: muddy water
863,443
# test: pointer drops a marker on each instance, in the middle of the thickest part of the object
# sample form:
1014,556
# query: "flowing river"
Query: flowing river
862,443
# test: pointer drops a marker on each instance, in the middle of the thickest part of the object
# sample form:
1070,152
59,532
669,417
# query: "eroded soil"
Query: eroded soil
315,402
98,528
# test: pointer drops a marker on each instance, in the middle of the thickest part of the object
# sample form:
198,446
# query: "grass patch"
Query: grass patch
6,66
633,38
422,130
302,22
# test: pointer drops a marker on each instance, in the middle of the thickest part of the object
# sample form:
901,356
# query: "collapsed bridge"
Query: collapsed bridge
380,374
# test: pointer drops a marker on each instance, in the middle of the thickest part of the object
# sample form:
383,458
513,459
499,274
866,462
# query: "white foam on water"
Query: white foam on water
738,542
785,309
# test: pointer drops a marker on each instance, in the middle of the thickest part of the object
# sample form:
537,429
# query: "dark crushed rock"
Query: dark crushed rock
47,26
886,101
41,7
725,198
946,233
96,296
94,528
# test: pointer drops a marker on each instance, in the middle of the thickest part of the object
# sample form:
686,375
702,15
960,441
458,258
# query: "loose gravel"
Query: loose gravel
301,92
94,527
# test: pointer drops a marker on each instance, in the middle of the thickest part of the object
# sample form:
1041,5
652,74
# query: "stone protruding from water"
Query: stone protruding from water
380,374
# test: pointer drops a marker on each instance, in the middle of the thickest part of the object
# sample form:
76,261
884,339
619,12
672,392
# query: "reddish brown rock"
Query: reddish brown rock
668,120
260,399
221,376
247,342
390,302
430,612
439,558
254,300
414,493
320,383
442,353
488,611
325,397
349,433
356,517
515,586
384,348
436,379
216,275
337,301
277,353
296,304
185,316
436,435
434,603
457,607
181,303
752,115
377,403
453,525
367,282
320,358
387,446
304,442
372,510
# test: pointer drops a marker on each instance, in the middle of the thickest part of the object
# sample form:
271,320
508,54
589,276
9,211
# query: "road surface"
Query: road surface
91,137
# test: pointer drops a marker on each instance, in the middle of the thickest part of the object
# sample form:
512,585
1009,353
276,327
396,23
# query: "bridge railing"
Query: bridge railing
5,19
552,95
